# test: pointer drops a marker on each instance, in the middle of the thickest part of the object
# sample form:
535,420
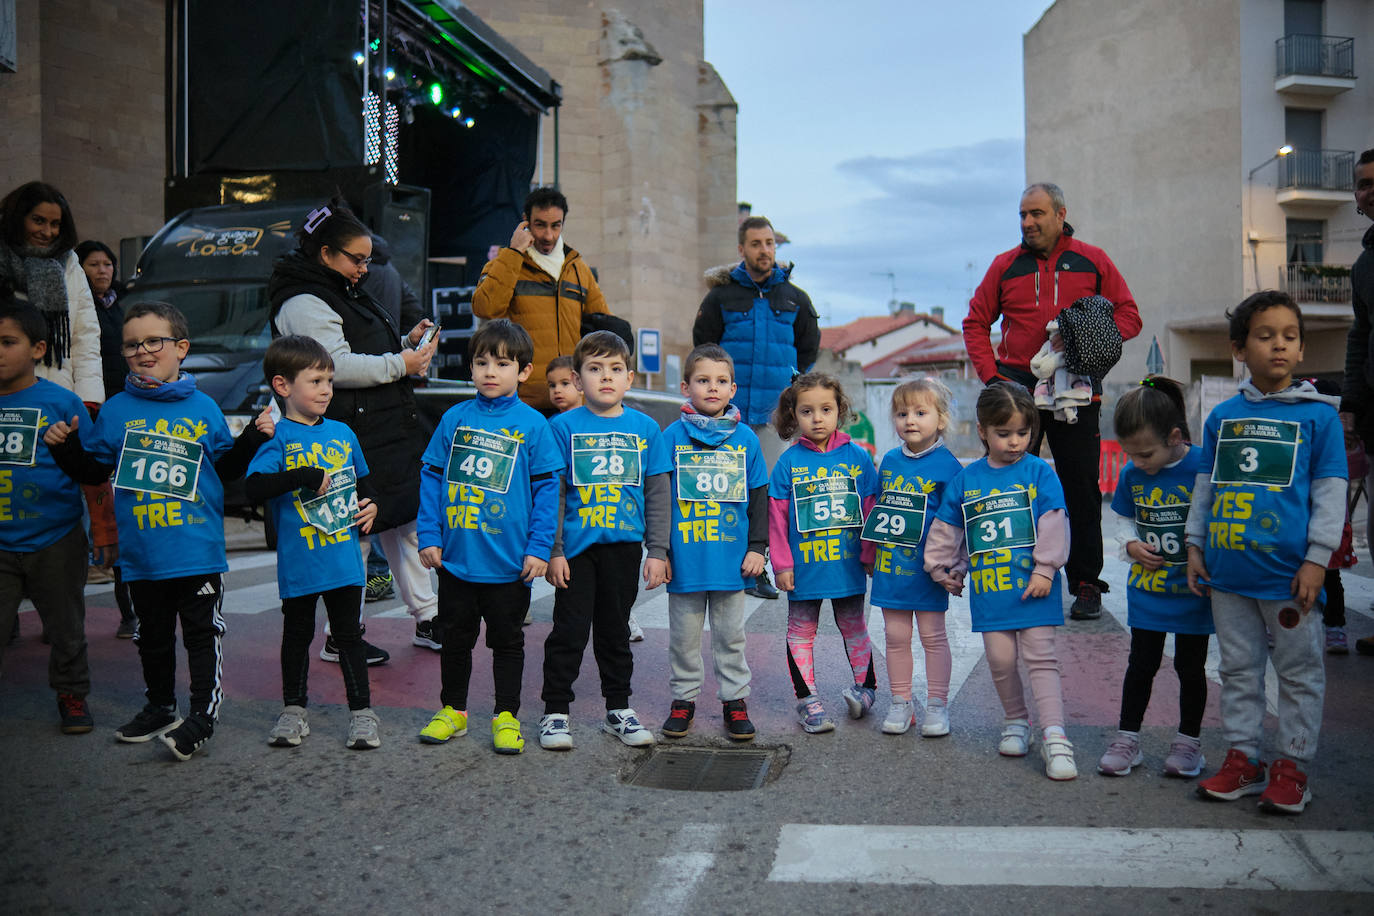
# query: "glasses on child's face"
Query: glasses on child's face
357,259
150,345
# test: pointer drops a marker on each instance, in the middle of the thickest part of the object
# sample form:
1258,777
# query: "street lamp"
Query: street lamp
1278,154
1254,239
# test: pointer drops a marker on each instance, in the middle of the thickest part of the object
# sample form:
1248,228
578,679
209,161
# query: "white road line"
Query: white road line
1286,860
252,599
691,855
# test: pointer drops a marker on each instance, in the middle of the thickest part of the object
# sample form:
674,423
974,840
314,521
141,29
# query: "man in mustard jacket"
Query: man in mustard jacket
542,285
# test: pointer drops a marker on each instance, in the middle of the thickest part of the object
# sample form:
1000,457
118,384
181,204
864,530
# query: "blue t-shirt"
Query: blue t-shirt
39,504
1157,504
606,461
1257,532
1000,575
165,537
486,527
710,537
826,562
899,581
310,560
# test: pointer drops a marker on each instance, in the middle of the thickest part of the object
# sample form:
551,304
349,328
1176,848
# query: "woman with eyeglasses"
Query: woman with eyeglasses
315,291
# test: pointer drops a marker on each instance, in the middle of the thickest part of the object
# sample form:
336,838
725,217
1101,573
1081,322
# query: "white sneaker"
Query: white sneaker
1057,752
936,724
1015,738
364,732
899,717
291,727
624,724
554,734
636,631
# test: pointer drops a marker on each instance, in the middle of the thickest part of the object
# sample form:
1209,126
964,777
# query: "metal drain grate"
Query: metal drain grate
697,769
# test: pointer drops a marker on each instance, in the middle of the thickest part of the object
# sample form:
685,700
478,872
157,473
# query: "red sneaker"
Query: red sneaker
76,715
1287,792
1236,777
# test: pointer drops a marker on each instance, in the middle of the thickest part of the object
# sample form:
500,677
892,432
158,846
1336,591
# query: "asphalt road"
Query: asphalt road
854,821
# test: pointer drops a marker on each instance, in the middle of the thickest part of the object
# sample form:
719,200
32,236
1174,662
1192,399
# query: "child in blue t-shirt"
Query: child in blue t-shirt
615,506
169,449
488,509
719,535
1003,521
913,478
820,489
1151,506
1269,506
313,478
42,542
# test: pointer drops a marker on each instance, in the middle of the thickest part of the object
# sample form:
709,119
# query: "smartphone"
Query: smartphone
426,337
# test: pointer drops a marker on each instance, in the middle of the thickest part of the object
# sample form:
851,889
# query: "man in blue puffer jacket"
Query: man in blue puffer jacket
769,328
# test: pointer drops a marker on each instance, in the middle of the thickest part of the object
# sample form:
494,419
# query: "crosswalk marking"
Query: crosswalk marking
1285,860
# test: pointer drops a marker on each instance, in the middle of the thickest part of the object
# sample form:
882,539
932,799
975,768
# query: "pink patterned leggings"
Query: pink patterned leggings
1035,645
803,617
935,642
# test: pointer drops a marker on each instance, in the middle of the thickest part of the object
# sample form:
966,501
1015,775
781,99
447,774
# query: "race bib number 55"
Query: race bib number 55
999,522
827,502
154,463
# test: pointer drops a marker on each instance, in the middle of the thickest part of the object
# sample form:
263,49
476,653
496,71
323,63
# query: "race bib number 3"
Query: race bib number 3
154,463
718,475
1161,528
19,435
1256,451
999,522
331,512
823,503
482,459
605,458
897,519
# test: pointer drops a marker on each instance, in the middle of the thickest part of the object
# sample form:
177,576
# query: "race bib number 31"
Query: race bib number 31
154,463
605,458
999,522
332,511
19,435
1256,451
823,503
897,519
1161,528
718,475
482,459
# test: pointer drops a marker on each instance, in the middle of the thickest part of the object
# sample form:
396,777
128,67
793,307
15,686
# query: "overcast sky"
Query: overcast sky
879,135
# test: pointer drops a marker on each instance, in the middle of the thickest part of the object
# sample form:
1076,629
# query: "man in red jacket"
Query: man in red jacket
1027,287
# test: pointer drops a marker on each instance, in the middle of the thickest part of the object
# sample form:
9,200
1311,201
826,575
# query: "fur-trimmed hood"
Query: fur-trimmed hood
720,274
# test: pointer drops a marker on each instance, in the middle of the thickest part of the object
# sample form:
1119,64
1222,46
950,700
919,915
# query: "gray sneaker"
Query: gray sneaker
859,699
899,717
936,724
291,727
1122,756
811,715
364,730
1185,757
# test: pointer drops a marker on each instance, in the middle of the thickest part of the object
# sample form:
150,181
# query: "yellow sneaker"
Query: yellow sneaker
505,734
447,723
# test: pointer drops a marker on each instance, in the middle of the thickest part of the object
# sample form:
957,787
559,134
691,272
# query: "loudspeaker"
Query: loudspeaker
400,214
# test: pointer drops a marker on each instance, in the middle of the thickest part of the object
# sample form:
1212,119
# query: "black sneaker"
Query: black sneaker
737,724
127,628
762,588
376,655
148,724
427,634
190,736
679,719
76,715
1088,604
378,588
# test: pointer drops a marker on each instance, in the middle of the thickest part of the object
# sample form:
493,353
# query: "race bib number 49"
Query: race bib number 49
605,458
482,459
1161,528
19,435
154,463
331,512
999,522
1256,451
823,503
716,475
898,518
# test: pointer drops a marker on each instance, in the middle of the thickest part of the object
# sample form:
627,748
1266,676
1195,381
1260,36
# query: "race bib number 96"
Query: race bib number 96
1161,528
154,463
823,503
605,458
1256,451
19,435
717,475
999,522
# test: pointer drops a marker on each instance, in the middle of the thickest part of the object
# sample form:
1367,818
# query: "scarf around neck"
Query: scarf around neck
710,430
551,263
153,389
37,274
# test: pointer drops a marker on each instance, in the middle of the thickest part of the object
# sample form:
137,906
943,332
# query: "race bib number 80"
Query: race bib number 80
717,475
18,435
605,458
823,503
999,522
154,463
1256,451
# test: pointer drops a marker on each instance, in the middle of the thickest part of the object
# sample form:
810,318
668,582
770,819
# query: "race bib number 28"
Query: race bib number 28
18,435
605,458
155,463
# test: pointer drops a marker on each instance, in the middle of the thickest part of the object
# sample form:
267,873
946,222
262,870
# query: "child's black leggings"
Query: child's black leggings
1190,663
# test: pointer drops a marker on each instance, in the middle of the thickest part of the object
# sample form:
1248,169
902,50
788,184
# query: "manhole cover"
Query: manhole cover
699,769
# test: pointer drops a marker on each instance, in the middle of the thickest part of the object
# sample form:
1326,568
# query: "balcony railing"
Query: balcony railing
1318,169
1316,282
1315,55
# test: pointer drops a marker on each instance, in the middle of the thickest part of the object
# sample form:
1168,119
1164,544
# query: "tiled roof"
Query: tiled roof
862,330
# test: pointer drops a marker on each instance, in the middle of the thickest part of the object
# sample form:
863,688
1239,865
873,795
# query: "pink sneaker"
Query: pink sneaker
1185,757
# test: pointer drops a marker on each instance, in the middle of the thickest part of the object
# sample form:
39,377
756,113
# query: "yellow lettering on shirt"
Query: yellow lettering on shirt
157,512
314,537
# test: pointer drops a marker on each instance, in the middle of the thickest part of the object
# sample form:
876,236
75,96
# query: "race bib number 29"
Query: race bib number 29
155,463
899,518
